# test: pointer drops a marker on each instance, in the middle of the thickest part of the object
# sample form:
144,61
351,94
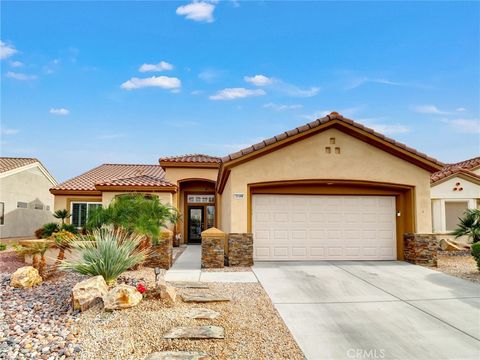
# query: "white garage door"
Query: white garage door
318,227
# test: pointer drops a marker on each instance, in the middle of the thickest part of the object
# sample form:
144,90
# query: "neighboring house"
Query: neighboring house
331,189
25,200
454,189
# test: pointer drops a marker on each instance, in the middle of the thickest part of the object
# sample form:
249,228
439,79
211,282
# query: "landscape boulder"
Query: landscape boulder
25,277
88,292
122,297
164,291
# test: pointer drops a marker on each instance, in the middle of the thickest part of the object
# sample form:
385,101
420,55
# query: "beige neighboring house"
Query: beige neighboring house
25,200
331,189
454,189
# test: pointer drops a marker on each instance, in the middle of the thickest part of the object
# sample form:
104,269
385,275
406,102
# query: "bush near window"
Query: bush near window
70,228
135,213
3,246
47,230
476,253
469,225
107,251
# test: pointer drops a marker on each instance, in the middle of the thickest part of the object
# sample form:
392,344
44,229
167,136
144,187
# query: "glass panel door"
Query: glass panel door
195,224
210,209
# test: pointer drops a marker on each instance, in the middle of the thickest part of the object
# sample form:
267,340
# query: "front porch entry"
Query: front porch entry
197,204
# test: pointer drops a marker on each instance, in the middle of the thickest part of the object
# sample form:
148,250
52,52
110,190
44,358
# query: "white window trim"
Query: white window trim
82,202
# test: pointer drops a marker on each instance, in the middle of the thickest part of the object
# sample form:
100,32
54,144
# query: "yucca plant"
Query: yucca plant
112,252
469,225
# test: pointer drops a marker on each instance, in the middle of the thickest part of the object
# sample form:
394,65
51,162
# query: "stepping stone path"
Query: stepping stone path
189,284
204,298
178,355
196,332
201,313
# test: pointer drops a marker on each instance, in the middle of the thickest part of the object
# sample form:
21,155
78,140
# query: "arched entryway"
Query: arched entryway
197,204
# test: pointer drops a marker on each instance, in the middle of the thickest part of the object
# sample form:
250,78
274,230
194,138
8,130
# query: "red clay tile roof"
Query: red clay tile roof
192,158
110,172
141,180
462,167
332,116
10,163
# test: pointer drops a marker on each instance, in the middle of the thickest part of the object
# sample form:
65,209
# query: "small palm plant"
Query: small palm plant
63,242
36,250
469,225
62,215
107,251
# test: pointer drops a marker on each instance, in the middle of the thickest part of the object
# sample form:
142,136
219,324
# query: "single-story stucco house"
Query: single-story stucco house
25,200
454,189
331,189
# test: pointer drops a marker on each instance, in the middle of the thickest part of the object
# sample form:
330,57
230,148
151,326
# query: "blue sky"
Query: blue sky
90,82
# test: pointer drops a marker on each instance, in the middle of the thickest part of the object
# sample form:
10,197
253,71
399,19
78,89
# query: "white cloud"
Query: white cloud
201,11
460,109
210,75
429,109
295,91
20,76
259,80
59,111
164,82
6,131
236,93
347,112
282,107
16,64
161,66
6,50
464,126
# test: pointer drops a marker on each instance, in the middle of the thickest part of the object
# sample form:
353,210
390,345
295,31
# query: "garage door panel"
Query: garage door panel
317,227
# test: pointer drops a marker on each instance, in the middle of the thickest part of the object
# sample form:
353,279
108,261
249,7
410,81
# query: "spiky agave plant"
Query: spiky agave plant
107,251
469,225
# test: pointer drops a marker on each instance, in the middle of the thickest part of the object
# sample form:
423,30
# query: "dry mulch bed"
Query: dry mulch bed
462,266
253,328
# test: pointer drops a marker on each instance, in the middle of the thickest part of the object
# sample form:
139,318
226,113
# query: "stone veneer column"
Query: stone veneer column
420,248
213,244
162,254
240,249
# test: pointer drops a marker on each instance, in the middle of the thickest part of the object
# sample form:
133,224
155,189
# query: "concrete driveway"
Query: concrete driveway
374,309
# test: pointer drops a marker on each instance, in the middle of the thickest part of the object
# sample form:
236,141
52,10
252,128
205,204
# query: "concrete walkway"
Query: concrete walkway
374,310
188,268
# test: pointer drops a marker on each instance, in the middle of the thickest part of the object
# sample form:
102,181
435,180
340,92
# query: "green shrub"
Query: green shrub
469,225
136,214
3,246
49,229
112,252
70,228
476,253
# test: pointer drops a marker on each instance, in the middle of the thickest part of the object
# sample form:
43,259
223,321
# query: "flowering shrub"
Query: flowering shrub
141,288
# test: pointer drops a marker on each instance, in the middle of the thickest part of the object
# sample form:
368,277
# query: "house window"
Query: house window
453,211
2,213
206,199
80,211
22,205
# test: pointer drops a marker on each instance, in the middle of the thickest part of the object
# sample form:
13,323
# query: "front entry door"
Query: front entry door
195,224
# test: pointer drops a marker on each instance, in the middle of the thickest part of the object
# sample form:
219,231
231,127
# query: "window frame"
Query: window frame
2,214
22,207
82,202
449,201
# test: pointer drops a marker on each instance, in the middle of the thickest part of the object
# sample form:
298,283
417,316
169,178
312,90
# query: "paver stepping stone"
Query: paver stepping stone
201,313
203,298
178,355
196,332
189,284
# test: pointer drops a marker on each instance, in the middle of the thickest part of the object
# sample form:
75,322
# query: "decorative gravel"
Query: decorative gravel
461,265
38,323
253,328
10,261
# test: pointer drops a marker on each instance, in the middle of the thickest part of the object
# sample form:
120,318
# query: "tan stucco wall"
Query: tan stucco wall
307,159
175,174
30,186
